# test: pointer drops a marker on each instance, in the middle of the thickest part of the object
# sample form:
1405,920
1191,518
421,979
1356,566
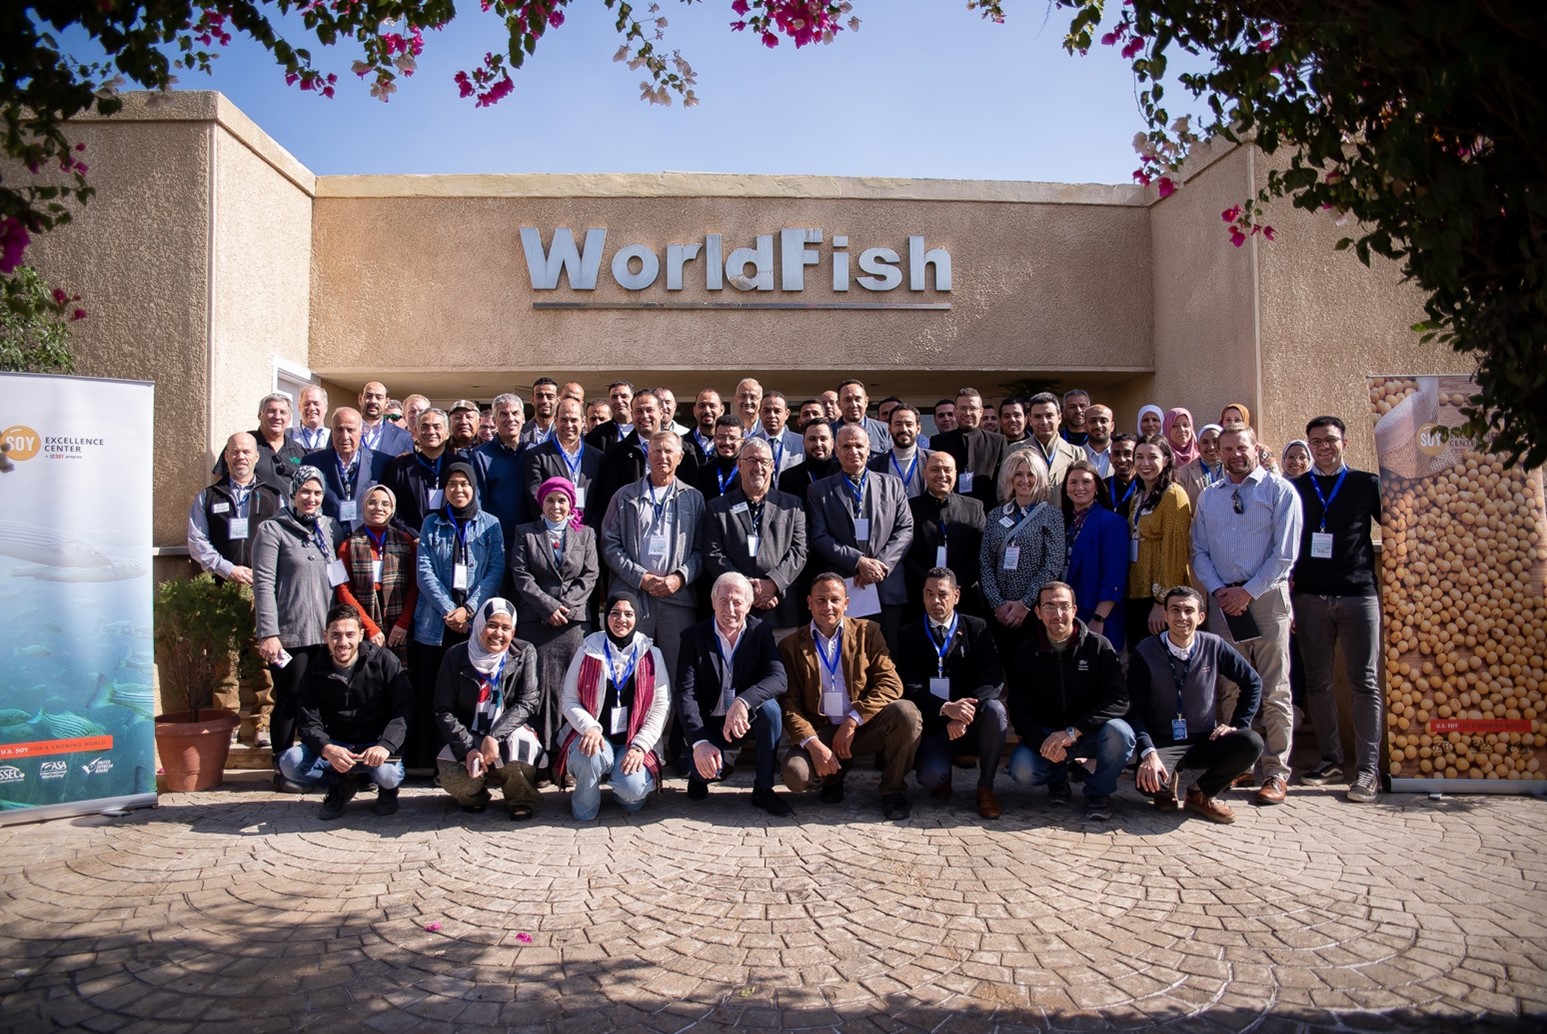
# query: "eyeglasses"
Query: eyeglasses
620,615
1235,502
1058,607
1324,443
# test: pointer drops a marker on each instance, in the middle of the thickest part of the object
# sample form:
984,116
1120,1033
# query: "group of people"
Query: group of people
607,598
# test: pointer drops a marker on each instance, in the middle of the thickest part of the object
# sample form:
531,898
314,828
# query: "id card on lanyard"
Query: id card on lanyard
834,706
620,714
1321,540
940,686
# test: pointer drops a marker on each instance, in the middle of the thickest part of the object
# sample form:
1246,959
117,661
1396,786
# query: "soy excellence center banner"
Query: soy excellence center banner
1464,597
76,680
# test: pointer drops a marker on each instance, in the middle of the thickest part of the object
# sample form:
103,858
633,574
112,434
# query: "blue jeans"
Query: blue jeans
300,764
1111,747
767,727
586,799
984,737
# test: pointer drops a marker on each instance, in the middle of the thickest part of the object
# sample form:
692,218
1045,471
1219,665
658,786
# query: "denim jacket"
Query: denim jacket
485,568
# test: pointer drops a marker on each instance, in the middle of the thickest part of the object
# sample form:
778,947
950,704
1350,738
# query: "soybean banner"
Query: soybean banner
76,680
1464,592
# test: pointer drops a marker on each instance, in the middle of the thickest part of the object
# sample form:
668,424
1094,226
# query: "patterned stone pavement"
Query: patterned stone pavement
241,908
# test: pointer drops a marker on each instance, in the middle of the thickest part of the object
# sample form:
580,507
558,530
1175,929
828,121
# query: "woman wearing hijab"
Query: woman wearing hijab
1151,421
295,568
381,559
1186,470
554,566
616,699
1235,413
1296,459
1160,540
485,697
461,561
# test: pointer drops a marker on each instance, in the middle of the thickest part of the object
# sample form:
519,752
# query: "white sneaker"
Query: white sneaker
236,735
261,739
1365,790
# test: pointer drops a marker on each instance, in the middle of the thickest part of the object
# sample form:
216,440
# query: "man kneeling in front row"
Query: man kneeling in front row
353,718
1171,681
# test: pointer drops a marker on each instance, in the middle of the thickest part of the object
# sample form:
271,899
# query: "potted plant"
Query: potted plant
199,623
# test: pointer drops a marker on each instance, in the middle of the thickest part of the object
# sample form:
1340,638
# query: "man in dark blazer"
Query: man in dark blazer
729,681
716,473
818,462
978,453
606,435
698,444
346,458
905,459
565,455
943,520
861,527
628,460
951,671
760,534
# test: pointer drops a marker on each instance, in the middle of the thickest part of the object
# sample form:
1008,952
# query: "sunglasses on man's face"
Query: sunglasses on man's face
394,417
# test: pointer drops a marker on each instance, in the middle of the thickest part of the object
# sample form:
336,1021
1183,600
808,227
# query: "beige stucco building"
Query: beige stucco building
216,265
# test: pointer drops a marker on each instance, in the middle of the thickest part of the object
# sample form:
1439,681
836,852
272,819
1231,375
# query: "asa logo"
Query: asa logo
20,442
98,766
53,770
11,774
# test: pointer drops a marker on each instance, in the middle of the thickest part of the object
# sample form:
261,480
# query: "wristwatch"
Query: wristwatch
1072,733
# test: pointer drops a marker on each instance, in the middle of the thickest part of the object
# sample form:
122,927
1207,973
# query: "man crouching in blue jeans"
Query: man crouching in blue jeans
353,718
1067,700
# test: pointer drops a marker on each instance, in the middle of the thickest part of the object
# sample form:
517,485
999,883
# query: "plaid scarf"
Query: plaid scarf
384,604
593,693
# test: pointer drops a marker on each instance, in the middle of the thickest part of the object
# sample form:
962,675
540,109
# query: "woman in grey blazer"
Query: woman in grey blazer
554,566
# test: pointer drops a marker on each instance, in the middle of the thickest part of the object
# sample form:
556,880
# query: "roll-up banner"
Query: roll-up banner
1464,598
76,696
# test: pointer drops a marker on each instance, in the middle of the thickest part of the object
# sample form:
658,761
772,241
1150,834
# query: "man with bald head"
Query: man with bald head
414,407
348,470
221,523
377,433
698,444
311,433
749,400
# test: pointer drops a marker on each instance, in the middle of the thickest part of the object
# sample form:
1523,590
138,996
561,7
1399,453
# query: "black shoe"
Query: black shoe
283,785
1058,793
386,801
772,803
832,793
339,794
1098,809
1324,773
697,788
895,806
478,805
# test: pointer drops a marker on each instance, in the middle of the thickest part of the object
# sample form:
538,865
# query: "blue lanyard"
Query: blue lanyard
378,543
857,490
907,479
1180,679
574,468
942,648
461,530
1326,501
831,664
620,681
1112,487
435,469
728,478
656,506
344,479
240,494
492,684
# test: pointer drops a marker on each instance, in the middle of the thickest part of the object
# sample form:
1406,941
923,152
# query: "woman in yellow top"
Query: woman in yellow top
1160,540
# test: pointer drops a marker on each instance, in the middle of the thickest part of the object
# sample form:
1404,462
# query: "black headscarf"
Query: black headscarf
468,512
616,596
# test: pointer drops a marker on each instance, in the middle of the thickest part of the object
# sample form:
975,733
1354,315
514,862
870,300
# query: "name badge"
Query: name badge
752,544
376,571
237,527
1012,557
437,498
579,498
940,687
862,529
1133,551
459,577
1178,729
1321,545
656,546
832,704
939,556
1007,522
221,508
348,510
964,482
337,573
619,722
739,508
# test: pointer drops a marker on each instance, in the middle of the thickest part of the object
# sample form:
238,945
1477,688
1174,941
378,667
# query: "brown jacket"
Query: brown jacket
867,671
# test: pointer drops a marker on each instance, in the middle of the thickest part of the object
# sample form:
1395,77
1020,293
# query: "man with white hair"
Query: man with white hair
729,681
500,464
312,431
760,533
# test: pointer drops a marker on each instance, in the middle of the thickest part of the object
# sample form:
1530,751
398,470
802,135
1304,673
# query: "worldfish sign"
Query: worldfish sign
772,262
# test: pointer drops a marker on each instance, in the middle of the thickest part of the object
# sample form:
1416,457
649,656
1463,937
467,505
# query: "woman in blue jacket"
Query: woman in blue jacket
460,564
1096,552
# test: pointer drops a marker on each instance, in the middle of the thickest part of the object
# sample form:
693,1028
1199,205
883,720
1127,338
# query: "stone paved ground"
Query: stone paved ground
239,908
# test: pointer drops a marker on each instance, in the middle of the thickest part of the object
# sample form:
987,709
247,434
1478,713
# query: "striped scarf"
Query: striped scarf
384,605
592,686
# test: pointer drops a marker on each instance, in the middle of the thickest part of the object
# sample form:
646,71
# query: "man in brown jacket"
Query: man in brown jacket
844,699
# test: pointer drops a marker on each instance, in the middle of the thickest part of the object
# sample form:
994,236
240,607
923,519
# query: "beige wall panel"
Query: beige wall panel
405,282
262,277
1204,337
138,255
1328,322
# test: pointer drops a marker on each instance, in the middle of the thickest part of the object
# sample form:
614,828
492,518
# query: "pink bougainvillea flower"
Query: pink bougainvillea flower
1268,232
739,7
1165,186
1231,214
431,927
14,239
524,937
1133,47
1236,236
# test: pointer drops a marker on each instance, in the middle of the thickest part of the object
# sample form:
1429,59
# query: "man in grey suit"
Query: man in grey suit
760,533
861,527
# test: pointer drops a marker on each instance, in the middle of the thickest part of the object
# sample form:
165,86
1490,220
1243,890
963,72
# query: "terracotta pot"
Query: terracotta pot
193,753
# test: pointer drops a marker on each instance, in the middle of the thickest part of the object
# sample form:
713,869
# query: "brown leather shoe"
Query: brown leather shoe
1273,791
988,804
1244,779
1166,800
943,791
1211,808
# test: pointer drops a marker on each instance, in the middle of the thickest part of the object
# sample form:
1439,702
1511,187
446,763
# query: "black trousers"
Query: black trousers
287,687
1221,760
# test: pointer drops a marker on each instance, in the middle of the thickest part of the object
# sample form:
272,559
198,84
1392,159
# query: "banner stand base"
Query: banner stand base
75,809
1534,787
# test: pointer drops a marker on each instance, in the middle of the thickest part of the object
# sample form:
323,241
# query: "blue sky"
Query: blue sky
925,88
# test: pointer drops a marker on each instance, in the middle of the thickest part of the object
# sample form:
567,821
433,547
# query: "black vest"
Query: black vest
263,503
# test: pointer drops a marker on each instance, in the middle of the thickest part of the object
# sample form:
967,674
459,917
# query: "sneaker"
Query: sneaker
236,735
1324,773
1098,809
1366,789
386,801
1058,793
261,738
895,806
339,794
